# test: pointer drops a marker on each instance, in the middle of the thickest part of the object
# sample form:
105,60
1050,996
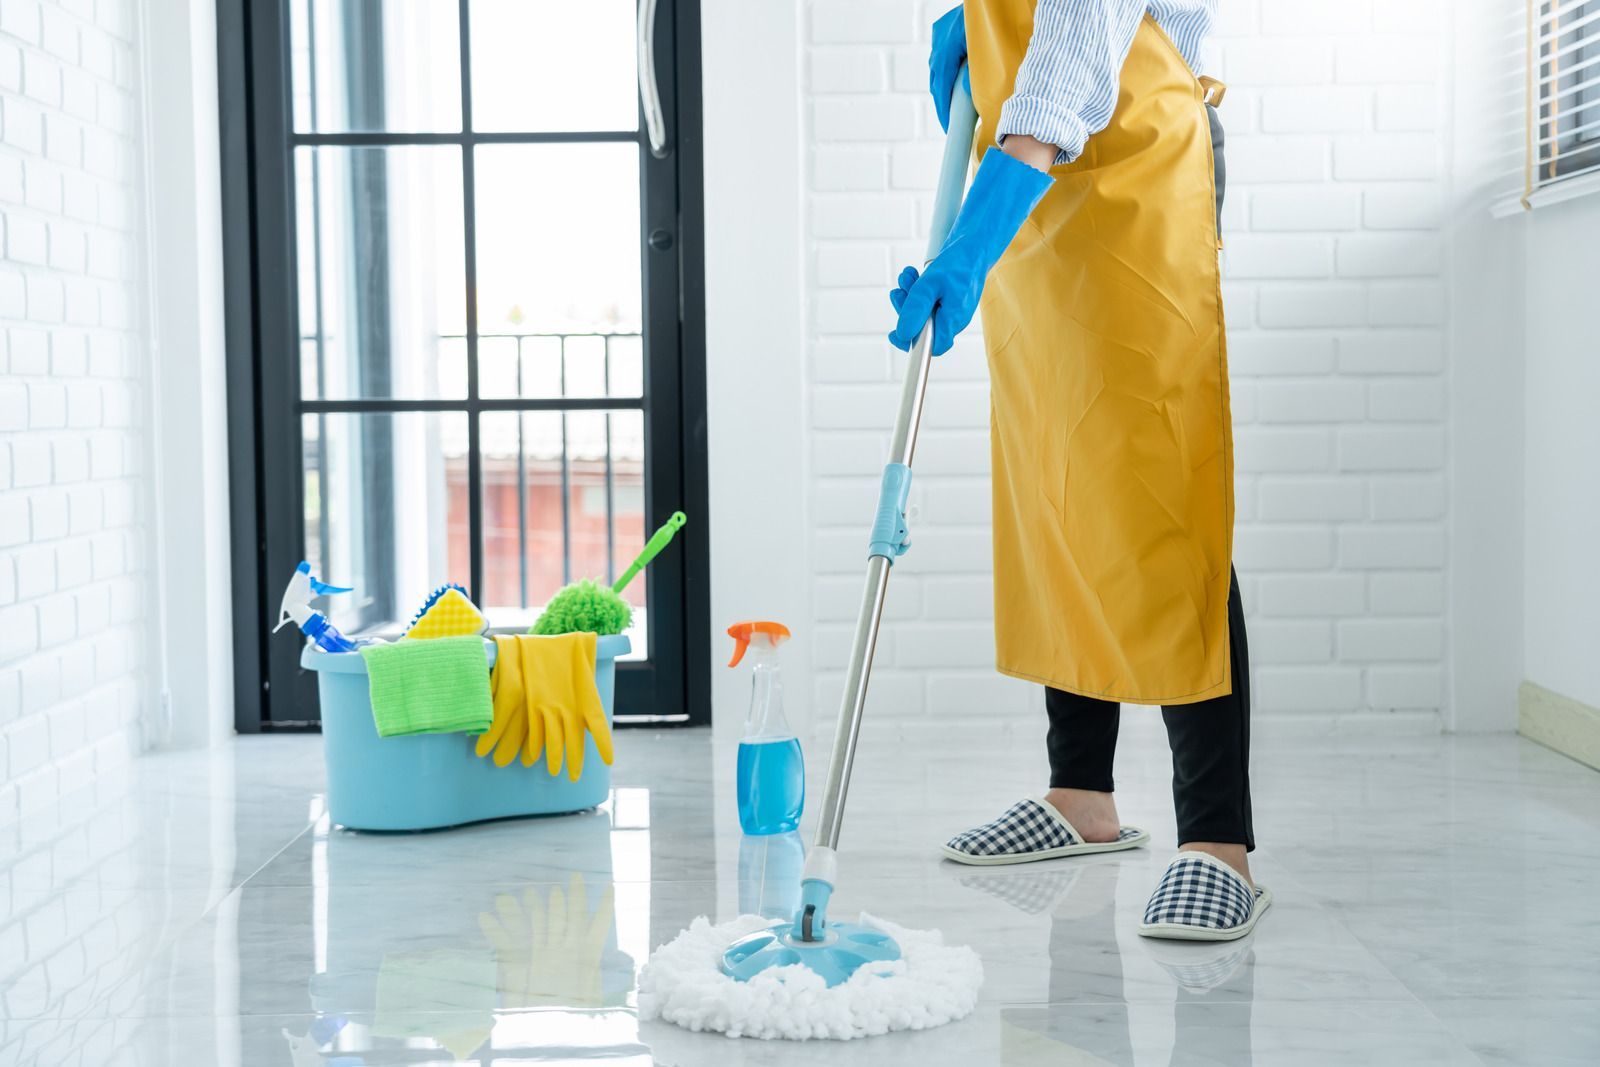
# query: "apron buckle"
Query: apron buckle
1214,90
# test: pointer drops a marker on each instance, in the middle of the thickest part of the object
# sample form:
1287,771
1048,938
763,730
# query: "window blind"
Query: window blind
1561,143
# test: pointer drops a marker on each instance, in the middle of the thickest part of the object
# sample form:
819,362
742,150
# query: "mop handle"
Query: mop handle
888,538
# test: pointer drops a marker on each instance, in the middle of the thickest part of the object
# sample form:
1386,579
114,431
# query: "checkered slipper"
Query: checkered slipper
1032,830
1200,898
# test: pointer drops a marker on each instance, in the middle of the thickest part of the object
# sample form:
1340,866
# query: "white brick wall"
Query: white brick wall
1335,290
73,556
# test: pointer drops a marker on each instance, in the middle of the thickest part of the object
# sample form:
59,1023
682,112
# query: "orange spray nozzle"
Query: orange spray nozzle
773,633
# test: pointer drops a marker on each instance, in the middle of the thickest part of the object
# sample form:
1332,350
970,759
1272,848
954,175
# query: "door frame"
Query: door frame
260,305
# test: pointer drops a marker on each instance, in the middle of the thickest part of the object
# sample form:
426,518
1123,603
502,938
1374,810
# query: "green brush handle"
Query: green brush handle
652,549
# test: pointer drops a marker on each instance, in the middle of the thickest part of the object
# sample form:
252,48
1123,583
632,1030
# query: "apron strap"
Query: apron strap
1214,90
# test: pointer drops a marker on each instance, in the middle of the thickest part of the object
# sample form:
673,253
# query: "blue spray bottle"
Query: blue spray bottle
772,772
296,606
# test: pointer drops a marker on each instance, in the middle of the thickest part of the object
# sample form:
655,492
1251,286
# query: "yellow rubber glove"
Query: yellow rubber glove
534,743
583,712
509,727
563,703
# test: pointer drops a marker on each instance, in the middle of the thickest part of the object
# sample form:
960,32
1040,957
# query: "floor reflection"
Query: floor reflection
197,908
486,973
769,874
1081,902
1090,1019
1207,1028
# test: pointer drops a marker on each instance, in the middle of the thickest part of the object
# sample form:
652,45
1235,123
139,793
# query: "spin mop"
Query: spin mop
811,976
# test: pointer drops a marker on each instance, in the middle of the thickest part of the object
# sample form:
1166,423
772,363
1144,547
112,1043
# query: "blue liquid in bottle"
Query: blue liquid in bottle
772,785
771,779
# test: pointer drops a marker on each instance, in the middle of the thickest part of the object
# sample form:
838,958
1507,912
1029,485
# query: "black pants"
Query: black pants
1210,748
1210,740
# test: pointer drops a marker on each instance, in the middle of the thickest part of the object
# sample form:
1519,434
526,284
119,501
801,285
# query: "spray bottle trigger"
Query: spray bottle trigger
321,588
744,632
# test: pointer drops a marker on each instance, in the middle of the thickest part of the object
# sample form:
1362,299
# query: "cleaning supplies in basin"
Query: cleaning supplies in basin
429,687
545,701
448,612
433,780
772,772
296,606
589,606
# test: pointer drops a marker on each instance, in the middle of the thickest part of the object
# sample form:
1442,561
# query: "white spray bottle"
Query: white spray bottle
296,607
771,772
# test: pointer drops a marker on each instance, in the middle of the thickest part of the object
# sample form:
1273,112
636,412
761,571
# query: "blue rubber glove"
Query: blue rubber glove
949,50
1002,195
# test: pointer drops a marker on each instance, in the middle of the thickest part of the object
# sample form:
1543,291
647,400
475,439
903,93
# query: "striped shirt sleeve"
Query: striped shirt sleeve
1066,87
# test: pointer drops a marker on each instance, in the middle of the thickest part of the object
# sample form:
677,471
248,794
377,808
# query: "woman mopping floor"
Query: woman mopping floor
1095,226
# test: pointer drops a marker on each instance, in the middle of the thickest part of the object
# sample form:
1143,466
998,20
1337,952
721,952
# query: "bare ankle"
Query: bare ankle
1093,814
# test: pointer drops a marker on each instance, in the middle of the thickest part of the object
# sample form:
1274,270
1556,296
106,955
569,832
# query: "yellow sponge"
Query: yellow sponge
449,612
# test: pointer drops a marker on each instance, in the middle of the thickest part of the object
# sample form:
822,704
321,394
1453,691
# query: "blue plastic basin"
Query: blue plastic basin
426,781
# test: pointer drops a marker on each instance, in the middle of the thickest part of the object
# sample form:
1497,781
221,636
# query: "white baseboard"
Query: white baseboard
1570,727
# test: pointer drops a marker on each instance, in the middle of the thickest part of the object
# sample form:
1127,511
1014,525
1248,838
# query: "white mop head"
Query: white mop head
930,984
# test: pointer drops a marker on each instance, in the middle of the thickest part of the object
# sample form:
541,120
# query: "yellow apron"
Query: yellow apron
1113,456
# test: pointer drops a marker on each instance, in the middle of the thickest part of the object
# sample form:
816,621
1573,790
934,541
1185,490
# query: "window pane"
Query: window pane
385,511
381,259
364,66
552,366
554,65
512,365
558,238
563,499
625,366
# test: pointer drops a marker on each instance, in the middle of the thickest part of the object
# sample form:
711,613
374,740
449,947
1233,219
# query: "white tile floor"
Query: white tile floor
1436,903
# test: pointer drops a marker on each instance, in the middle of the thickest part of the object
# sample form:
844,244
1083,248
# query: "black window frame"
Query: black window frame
260,303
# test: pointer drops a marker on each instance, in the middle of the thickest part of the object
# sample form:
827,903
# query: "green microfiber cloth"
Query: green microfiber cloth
439,686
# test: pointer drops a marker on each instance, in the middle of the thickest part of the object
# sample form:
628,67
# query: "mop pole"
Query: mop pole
889,540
